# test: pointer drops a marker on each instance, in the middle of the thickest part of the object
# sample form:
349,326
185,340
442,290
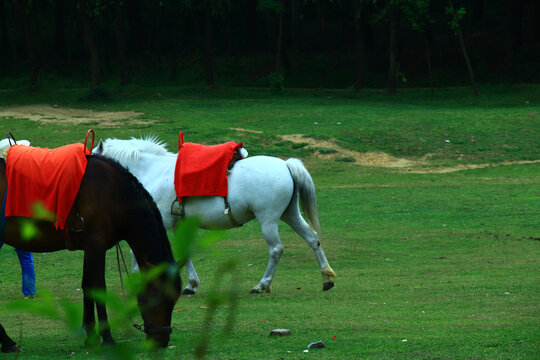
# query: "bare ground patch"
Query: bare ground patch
380,159
242,130
50,114
442,170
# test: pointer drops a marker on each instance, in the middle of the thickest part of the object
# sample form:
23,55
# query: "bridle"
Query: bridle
148,327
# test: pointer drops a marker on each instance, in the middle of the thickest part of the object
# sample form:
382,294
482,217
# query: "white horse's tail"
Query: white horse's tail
306,189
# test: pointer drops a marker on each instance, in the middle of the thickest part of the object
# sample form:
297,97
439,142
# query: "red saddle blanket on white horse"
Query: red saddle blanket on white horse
202,170
49,177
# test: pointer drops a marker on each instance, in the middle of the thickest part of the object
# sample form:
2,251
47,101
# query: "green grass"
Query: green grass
448,262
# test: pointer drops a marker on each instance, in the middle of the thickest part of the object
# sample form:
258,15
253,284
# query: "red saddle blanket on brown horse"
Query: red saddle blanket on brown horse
202,170
50,177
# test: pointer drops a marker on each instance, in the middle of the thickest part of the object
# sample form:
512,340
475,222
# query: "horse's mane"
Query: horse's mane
132,148
159,249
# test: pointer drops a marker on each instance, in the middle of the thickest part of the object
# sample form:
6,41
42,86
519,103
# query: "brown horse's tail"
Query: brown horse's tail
306,189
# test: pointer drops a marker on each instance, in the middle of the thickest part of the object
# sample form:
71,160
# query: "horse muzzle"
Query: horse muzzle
159,334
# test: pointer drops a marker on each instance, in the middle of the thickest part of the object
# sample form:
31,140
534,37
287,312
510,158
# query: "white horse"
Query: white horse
261,187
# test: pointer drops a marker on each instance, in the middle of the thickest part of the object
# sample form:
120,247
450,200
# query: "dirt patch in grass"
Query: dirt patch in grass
442,170
328,150
52,114
372,158
242,130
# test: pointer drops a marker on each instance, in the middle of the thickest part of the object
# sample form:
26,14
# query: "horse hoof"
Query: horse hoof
327,286
11,349
255,291
188,292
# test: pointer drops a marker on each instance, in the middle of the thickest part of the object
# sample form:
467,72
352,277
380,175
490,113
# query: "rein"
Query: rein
148,327
119,254
151,329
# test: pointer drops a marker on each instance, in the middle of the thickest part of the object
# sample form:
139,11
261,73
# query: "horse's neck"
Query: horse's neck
163,162
140,165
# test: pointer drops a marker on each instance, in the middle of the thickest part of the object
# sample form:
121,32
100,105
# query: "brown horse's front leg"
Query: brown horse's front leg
94,278
89,321
8,345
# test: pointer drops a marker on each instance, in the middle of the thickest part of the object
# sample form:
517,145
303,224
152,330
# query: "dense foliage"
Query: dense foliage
277,43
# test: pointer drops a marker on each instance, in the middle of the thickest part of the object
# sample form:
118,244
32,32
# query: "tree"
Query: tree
121,42
513,36
209,44
25,11
84,9
276,7
389,12
207,9
59,33
392,9
360,11
417,14
457,15
3,26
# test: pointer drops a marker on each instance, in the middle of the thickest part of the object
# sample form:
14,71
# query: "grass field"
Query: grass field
435,239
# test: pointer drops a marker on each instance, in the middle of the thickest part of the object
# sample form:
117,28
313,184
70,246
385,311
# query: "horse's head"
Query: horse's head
157,304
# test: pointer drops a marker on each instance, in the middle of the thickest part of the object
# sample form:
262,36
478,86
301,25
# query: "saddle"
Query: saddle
49,177
202,170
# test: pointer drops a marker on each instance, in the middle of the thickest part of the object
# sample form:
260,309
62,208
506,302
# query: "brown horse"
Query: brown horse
111,205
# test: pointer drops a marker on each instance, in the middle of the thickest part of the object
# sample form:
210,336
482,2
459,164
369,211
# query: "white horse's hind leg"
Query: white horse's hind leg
193,279
275,249
134,264
295,220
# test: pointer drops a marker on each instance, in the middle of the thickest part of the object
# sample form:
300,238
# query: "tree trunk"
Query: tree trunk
463,49
18,31
196,17
294,23
34,67
3,26
90,42
392,64
251,23
321,14
513,37
428,60
71,29
121,43
227,18
208,50
280,38
359,17
428,43
535,26
157,34
136,26
59,33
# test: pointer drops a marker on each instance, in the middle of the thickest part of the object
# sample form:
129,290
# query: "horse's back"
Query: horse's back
258,186
260,172
260,181
94,188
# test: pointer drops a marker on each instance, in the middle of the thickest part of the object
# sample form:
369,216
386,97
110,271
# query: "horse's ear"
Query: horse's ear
99,149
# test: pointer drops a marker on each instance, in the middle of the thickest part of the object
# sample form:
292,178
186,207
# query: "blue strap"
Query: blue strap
3,218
